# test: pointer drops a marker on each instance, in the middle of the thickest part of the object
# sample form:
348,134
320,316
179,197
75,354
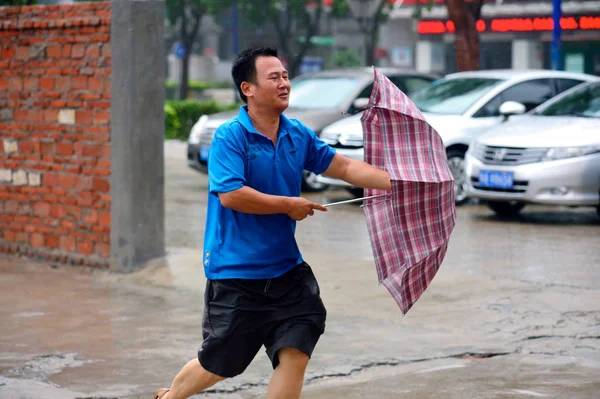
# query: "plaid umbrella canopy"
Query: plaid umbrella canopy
409,230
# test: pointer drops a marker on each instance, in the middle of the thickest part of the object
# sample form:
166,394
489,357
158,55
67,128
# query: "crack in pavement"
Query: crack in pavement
464,355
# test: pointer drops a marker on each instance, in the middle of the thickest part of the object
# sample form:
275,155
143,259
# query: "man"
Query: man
259,290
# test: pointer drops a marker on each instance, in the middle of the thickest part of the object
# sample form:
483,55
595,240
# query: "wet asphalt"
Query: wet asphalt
513,312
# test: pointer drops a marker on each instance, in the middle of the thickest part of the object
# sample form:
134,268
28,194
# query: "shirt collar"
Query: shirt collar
244,118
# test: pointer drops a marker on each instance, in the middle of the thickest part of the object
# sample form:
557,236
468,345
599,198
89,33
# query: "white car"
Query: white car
460,107
551,156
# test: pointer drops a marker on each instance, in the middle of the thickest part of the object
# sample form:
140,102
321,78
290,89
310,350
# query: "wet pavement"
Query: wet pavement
513,312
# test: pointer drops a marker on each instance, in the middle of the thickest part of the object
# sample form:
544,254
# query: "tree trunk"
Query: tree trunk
466,36
188,39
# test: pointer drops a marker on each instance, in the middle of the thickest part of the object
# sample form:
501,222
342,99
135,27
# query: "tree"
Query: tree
296,23
186,16
369,27
464,15
17,2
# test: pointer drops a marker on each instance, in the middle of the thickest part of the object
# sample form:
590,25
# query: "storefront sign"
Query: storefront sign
514,25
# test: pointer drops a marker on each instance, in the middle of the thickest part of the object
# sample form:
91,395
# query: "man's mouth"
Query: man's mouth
284,95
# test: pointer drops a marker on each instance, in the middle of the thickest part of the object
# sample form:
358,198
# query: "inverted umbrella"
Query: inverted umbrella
409,227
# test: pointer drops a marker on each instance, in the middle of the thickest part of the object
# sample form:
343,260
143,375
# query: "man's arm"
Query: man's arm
249,200
358,173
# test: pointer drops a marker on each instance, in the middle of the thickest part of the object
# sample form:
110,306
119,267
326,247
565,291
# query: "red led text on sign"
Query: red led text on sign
513,25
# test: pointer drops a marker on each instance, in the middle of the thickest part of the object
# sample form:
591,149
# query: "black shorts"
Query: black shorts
240,316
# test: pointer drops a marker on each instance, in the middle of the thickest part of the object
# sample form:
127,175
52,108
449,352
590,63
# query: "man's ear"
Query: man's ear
247,89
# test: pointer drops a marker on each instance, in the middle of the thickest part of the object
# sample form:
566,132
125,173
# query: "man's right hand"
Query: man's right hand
300,208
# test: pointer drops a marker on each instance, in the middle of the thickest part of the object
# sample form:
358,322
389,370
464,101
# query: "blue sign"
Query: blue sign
179,50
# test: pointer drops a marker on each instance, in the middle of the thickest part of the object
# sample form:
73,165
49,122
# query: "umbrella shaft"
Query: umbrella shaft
356,200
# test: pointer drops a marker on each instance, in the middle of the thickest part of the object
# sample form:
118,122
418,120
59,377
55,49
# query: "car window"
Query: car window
584,102
366,93
453,96
531,94
414,83
322,92
565,84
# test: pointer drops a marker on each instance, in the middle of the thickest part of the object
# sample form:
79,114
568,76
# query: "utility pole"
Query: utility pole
556,33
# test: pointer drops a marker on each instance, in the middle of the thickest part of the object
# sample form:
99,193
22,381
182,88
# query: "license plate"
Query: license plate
204,153
496,179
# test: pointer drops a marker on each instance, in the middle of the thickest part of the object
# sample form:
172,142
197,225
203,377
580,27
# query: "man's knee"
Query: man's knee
292,357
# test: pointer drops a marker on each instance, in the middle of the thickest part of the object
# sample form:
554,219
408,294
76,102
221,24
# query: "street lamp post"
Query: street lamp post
556,35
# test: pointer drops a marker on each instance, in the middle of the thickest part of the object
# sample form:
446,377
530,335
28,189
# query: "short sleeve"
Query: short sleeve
318,155
226,161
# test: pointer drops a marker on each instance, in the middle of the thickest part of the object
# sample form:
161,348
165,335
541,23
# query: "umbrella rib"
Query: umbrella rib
356,200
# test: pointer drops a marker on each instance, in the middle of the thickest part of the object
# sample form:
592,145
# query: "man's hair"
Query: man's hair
244,67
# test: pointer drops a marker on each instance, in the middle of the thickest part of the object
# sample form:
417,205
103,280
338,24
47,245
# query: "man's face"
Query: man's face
272,88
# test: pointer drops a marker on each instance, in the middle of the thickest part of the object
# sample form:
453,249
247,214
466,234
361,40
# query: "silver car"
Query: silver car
550,156
460,107
317,100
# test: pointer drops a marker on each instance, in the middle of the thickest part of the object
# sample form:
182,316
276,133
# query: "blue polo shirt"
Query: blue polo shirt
242,245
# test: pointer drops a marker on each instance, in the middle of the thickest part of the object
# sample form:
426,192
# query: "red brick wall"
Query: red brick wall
55,65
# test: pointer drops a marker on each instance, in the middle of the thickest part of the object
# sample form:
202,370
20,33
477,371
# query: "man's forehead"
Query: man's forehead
268,65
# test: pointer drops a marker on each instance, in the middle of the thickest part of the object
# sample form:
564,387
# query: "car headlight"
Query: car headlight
194,137
554,154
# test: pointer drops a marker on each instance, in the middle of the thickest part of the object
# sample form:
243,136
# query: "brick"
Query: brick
34,179
11,146
20,115
50,180
89,216
83,117
26,147
85,247
104,218
64,148
106,51
10,236
78,51
3,84
5,175
58,211
100,184
66,51
50,115
101,117
35,116
78,83
31,84
54,51
48,148
22,53
67,181
67,243
11,206
46,83
15,84
41,209
52,241
62,84
95,83
66,116
8,53
19,178
92,51
36,240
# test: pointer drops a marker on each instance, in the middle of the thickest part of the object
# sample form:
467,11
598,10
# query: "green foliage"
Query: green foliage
346,58
17,2
180,116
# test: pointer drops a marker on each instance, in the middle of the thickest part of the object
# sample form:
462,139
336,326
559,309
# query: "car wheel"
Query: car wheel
456,162
357,192
310,183
506,209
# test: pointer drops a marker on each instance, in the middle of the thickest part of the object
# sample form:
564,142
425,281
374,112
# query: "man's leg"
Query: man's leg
288,378
192,379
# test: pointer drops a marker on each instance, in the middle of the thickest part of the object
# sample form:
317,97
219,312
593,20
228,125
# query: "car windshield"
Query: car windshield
322,92
453,96
584,102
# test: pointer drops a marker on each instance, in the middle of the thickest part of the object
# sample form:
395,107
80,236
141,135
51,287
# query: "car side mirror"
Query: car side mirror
360,103
509,108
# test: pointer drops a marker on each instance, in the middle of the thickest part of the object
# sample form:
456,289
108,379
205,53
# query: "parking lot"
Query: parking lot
513,312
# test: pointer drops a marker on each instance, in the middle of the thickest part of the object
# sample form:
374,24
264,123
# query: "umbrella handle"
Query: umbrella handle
356,200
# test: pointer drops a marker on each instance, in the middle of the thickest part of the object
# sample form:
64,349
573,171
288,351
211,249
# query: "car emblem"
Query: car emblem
499,154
